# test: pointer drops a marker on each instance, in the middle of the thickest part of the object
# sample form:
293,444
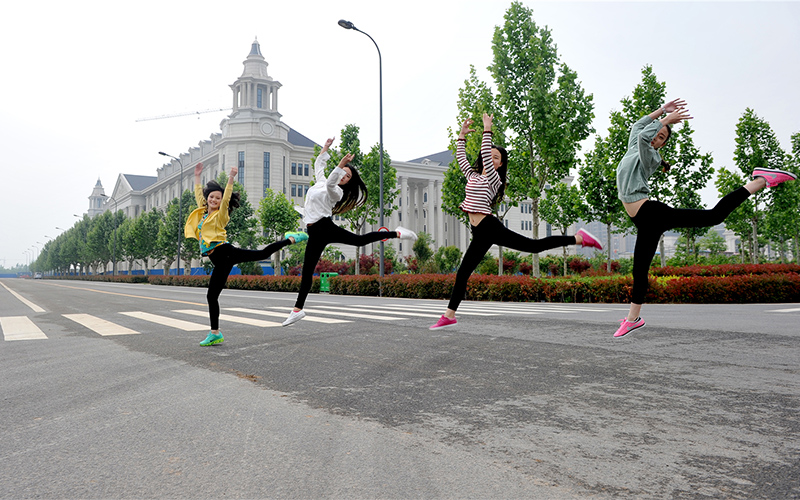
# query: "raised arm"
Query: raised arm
322,161
461,151
333,179
198,186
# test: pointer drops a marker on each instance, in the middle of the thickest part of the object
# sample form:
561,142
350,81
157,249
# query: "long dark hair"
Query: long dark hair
212,186
502,171
355,193
665,166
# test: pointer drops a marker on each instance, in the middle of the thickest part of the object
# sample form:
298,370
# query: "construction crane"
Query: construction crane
215,110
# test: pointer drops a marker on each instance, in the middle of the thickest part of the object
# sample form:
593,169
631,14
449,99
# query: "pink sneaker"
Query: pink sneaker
443,323
773,176
626,327
589,240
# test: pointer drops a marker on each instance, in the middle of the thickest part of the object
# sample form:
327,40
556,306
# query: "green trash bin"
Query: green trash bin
324,286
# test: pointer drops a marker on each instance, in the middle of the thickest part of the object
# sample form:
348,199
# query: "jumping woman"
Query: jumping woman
342,191
652,218
486,183
207,225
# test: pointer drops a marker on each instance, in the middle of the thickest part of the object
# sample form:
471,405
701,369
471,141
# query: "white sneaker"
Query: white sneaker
294,318
405,234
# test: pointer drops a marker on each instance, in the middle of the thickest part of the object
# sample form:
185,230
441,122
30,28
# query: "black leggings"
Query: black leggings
491,231
654,218
321,234
224,257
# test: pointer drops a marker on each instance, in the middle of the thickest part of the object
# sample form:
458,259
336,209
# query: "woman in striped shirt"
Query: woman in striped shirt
486,182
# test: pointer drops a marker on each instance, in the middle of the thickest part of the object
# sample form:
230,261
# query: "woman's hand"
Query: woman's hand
346,159
673,105
327,144
232,175
198,170
465,128
487,122
676,116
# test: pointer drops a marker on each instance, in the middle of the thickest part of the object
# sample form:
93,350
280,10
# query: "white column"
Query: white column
440,235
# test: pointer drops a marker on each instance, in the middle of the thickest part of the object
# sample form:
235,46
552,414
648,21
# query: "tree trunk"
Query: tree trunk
564,253
753,254
608,247
499,260
535,272
661,250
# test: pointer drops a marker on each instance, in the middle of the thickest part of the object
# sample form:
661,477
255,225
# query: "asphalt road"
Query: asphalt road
105,396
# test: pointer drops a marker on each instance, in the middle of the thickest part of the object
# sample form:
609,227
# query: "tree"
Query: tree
447,259
140,241
543,105
757,147
422,250
598,183
561,208
713,242
782,220
167,236
98,239
277,216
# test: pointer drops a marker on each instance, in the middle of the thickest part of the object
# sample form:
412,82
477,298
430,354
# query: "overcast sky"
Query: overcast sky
77,75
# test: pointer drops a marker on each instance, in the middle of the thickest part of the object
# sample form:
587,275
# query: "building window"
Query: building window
266,171
241,168
294,168
549,230
294,189
424,197
306,169
259,97
400,216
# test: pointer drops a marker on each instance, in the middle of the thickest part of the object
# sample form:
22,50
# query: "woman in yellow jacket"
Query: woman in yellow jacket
207,225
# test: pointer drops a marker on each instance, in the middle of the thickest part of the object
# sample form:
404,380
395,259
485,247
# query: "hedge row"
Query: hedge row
240,282
767,287
761,288
726,270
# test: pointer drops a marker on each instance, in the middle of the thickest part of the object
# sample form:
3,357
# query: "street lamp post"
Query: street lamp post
180,210
114,216
350,26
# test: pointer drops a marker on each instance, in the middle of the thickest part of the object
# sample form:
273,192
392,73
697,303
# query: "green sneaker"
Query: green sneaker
212,339
298,237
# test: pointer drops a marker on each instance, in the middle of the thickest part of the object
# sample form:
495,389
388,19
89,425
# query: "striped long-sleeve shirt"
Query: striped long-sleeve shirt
481,189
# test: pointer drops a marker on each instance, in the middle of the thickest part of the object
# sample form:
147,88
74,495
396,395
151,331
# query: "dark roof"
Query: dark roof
443,158
140,182
299,139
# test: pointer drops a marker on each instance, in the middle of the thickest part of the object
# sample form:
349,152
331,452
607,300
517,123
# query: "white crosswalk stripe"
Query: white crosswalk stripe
792,310
284,315
233,319
187,326
20,328
99,325
347,312
377,309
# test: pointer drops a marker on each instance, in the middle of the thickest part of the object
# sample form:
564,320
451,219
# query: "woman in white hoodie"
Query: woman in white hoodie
342,191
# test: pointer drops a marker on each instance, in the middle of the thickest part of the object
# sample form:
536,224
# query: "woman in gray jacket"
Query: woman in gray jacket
652,218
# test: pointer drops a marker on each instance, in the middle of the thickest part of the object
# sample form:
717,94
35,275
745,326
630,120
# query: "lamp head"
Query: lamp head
346,24
163,153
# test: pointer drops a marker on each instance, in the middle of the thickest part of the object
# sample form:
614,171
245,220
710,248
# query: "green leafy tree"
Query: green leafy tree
422,250
98,239
447,259
277,216
757,147
782,220
140,241
713,242
168,233
562,207
598,184
740,220
543,105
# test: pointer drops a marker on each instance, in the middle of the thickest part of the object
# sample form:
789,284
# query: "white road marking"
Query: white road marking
20,328
100,326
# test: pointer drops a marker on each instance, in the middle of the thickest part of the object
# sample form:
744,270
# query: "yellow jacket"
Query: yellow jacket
214,226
